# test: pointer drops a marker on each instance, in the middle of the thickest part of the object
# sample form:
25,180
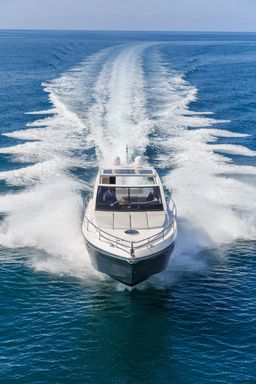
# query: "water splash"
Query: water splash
214,206
103,103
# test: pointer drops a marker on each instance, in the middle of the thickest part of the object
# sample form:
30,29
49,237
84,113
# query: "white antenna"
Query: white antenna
127,154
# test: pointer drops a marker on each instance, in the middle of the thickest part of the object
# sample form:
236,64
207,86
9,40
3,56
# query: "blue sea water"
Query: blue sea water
71,101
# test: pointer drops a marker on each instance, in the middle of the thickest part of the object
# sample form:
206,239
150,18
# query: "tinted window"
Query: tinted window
145,172
125,171
107,172
129,199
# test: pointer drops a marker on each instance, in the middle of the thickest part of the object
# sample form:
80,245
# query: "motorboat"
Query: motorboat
128,225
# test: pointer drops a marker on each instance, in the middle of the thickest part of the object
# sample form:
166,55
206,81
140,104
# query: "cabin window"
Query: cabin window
125,171
107,171
129,199
108,179
128,180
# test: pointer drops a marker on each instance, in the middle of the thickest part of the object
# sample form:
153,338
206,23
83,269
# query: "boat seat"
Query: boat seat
156,219
104,219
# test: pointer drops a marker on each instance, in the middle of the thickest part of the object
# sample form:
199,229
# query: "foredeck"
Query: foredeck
130,220
115,231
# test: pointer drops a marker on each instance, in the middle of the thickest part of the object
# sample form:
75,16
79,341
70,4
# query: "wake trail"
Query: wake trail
118,116
214,206
86,105
107,101
47,213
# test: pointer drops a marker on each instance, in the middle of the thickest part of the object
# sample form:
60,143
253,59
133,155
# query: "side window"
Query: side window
108,180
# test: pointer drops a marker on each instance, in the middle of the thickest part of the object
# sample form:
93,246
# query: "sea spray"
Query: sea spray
214,206
104,103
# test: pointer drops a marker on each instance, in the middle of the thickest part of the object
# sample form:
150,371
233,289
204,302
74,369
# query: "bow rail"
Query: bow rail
131,246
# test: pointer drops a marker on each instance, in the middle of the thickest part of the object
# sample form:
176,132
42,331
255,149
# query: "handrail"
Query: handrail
132,245
174,208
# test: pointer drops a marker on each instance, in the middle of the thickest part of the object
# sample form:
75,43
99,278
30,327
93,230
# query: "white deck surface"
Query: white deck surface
130,220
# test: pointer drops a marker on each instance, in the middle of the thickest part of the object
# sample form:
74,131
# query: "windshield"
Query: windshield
129,199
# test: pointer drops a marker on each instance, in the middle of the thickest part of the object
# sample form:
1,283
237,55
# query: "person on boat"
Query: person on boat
150,197
109,196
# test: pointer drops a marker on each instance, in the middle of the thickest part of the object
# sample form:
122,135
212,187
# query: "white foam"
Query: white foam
214,207
102,103
118,116
47,217
44,112
234,150
47,214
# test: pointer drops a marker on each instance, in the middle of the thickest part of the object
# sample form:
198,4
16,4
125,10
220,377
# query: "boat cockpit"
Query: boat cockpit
128,190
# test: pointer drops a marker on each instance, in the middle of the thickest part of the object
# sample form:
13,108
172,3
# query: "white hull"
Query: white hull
129,229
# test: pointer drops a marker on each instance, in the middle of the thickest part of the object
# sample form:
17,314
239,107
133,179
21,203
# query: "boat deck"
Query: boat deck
130,220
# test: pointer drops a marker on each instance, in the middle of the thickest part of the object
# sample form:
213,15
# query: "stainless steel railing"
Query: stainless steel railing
130,246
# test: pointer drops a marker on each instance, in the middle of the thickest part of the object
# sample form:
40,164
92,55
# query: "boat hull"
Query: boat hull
129,273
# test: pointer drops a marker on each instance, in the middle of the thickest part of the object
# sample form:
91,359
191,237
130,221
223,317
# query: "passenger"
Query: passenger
150,197
100,194
109,196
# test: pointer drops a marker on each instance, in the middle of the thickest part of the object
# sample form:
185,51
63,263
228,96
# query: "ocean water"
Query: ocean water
71,101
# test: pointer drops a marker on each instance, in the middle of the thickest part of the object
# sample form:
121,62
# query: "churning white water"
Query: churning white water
103,104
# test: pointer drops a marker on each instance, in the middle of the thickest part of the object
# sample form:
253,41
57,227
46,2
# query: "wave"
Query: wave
119,114
105,102
214,206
